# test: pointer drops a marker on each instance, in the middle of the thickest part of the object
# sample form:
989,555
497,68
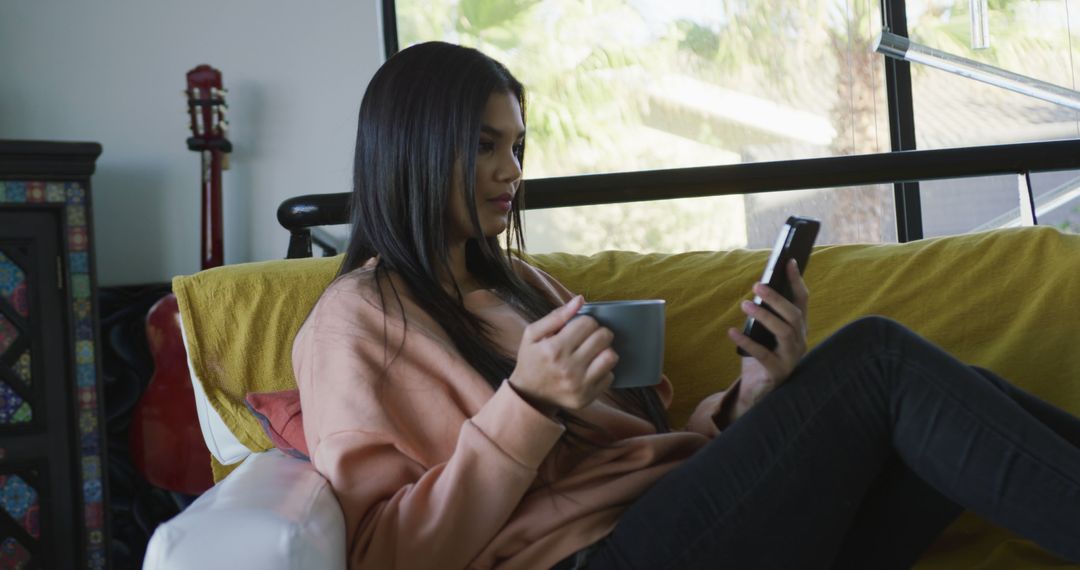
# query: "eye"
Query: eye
486,147
519,149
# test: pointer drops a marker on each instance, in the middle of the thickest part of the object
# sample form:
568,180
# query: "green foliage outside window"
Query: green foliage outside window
1071,225
630,85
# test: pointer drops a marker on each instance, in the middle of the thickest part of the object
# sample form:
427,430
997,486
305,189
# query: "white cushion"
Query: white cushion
219,439
273,512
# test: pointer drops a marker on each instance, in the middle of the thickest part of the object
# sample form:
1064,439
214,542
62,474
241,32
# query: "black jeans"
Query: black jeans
874,445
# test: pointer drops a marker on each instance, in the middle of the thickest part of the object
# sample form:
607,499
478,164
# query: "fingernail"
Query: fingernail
747,305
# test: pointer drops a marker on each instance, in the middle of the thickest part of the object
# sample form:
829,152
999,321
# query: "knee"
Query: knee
865,342
872,332
873,325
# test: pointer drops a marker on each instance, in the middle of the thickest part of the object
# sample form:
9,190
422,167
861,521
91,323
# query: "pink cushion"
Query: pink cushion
281,419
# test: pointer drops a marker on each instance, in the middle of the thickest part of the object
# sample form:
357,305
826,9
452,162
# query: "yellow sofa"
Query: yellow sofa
1007,300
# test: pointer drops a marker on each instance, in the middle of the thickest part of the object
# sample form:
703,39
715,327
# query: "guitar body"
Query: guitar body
166,441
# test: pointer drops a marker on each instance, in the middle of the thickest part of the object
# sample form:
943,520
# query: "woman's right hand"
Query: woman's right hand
564,363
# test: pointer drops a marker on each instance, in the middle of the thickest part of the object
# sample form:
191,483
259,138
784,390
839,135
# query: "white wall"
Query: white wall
112,71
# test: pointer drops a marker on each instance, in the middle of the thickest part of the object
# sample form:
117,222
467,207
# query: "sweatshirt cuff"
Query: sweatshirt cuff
704,419
519,429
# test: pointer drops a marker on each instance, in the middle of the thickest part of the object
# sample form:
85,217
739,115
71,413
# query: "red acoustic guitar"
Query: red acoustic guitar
166,442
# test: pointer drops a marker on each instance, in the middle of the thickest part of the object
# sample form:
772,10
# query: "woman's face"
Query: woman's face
498,170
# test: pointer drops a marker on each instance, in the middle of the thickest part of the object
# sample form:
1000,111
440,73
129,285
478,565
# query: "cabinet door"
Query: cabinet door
39,503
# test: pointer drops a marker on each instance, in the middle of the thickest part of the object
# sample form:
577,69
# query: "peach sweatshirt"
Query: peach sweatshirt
435,469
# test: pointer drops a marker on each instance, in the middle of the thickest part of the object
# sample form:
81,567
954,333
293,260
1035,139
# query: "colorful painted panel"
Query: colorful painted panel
13,409
13,285
20,501
8,334
22,368
13,556
76,243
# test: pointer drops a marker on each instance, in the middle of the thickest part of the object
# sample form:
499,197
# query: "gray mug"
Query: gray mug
639,338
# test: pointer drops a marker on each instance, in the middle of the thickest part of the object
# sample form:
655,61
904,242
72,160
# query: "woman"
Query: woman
464,420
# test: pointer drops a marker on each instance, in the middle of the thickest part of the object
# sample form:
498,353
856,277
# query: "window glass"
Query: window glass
1033,38
991,202
1057,199
855,214
630,85
688,224
958,206
848,215
625,85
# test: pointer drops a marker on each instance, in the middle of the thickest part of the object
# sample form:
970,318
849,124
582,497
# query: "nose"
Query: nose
509,169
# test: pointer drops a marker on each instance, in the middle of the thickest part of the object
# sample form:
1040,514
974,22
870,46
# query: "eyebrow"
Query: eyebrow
497,133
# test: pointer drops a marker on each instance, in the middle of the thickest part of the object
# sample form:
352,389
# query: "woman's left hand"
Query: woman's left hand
766,369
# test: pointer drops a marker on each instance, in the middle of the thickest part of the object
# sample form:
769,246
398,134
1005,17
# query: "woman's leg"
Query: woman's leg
782,486
901,515
1063,423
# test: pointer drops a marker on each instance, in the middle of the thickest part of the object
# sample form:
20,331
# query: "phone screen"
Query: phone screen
783,240
795,241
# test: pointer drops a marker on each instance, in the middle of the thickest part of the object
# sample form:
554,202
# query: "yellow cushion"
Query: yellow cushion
1007,300
239,322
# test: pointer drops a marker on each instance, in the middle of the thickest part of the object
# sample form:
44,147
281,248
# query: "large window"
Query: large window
630,85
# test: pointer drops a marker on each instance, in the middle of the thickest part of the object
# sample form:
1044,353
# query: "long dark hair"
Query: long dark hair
419,128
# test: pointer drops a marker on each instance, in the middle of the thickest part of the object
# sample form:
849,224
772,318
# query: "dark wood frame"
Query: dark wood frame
65,170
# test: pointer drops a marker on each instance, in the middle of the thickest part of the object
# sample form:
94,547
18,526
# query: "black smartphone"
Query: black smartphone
795,241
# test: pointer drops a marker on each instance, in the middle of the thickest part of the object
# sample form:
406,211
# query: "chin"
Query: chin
494,232
495,228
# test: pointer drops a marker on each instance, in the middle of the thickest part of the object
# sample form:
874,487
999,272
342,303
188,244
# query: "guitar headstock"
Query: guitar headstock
207,110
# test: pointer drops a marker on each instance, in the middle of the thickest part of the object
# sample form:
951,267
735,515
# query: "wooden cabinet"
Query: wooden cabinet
52,454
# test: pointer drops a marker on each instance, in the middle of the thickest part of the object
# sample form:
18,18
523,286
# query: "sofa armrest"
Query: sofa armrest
273,512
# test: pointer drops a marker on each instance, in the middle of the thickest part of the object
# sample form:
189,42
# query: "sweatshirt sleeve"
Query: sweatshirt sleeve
703,420
413,496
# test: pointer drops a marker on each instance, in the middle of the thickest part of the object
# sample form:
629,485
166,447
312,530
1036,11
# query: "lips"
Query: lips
503,200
